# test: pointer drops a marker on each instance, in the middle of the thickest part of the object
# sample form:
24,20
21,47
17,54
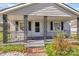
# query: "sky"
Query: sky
74,5
6,5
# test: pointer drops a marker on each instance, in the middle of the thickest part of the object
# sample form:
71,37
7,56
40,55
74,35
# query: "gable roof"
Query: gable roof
63,5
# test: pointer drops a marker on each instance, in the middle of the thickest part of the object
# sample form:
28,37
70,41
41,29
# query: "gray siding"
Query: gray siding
43,9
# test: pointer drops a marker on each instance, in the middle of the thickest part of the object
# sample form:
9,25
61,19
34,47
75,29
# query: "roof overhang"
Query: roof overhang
26,4
68,8
14,8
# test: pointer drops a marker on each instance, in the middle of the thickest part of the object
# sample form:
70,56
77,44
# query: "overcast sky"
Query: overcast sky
5,5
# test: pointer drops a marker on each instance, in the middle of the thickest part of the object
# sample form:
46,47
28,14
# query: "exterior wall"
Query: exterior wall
74,26
66,28
12,19
1,23
34,19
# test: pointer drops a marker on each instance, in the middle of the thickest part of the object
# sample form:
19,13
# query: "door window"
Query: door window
37,27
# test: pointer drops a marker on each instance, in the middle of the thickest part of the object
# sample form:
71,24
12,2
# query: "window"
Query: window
29,25
61,25
57,26
21,24
16,23
51,25
37,27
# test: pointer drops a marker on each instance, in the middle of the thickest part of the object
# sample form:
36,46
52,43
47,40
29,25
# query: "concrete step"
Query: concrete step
35,43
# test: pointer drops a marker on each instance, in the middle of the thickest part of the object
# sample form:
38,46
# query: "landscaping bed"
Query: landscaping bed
50,50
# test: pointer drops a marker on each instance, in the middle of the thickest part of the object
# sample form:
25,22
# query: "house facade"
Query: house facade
39,20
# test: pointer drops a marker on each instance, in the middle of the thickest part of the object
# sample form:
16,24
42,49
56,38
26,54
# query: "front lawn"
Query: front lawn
15,47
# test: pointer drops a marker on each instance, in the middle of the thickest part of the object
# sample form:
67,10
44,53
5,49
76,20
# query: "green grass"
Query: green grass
1,36
50,50
10,48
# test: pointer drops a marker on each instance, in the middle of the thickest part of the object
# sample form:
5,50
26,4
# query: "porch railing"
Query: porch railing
16,37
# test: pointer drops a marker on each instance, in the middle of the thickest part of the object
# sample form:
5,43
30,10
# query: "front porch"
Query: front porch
36,28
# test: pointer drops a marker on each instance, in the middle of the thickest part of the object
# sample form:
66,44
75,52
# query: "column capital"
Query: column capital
45,16
25,16
4,16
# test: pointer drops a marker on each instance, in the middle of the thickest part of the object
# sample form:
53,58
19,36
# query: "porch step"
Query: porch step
35,43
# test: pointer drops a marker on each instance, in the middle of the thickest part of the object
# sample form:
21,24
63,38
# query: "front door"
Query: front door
37,28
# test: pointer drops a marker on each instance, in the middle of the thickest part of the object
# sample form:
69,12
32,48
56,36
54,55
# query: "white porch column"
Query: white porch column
25,27
45,27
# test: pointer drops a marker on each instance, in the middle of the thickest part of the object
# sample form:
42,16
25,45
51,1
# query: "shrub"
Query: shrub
61,44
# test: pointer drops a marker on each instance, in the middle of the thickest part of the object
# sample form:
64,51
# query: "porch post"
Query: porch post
25,27
77,25
5,28
45,27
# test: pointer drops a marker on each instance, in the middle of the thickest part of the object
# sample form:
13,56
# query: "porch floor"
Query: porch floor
21,40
